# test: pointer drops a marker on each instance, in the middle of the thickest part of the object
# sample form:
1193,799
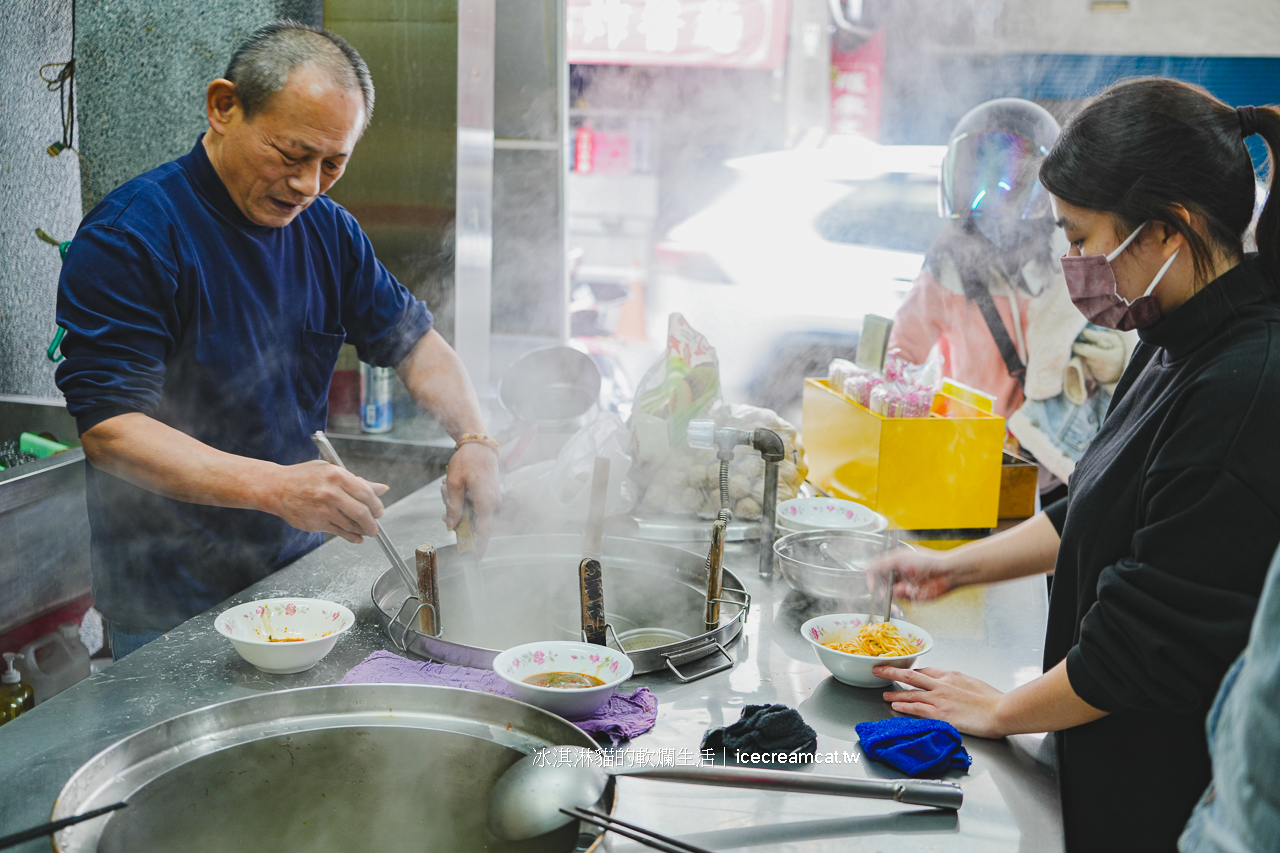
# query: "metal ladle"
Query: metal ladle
528,797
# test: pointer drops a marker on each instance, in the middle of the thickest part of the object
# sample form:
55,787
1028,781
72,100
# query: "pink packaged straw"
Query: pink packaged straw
901,400
880,403
858,388
895,366
918,403
839,371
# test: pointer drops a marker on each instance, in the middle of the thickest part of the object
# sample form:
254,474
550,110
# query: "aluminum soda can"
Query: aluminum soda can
375,398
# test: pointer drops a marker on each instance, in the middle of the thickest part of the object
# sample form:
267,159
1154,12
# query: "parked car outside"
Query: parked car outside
779,269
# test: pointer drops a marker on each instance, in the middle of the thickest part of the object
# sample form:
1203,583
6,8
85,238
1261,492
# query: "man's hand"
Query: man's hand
323,498
436,377
312,496
472,476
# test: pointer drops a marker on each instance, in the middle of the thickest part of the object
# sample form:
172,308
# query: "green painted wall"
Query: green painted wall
400,182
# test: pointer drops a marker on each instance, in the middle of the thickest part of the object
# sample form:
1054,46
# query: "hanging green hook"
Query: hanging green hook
53,352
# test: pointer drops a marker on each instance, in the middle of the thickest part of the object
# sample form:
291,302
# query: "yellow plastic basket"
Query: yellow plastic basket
939,472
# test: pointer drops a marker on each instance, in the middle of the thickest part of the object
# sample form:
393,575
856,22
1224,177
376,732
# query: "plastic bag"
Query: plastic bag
561,488
678,387
902,390
669,476
689,480
570,479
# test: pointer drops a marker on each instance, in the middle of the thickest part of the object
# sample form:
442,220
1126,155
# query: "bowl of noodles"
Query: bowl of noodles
850,644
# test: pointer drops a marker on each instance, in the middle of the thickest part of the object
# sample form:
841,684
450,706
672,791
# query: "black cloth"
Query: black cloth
1171,521
772,729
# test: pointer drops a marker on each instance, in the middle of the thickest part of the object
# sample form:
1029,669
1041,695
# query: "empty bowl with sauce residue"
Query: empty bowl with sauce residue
285,635
551,675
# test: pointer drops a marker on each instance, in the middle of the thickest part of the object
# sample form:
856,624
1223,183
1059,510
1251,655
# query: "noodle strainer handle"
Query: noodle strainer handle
920,792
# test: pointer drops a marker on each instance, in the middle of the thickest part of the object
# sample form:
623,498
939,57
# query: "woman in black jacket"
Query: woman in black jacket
1160,550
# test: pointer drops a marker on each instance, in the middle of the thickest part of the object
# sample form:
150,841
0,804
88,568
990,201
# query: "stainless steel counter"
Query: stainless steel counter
993,633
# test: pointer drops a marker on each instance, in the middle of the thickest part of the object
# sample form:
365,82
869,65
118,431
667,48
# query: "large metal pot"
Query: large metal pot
532,584
349,767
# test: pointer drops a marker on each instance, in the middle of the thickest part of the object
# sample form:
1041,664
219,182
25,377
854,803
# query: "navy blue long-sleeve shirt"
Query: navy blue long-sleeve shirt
179,307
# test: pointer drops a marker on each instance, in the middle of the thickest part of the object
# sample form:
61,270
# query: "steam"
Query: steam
533,594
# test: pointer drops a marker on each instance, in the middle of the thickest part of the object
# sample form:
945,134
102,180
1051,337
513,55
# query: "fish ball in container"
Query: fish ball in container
748,508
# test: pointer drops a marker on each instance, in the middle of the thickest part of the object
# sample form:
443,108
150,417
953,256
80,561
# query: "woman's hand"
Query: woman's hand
1028,549
972,706
1045,704
919,575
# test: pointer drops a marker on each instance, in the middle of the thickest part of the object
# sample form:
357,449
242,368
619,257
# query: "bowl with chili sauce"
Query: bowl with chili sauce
572,680
285,635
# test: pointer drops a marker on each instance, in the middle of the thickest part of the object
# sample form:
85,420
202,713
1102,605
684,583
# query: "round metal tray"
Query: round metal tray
669,527
532,583
348,767
687,527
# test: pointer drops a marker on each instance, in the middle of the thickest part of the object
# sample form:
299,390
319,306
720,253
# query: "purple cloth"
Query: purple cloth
626,715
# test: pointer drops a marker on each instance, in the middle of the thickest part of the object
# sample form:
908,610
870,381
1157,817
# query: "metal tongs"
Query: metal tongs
328,454
647,837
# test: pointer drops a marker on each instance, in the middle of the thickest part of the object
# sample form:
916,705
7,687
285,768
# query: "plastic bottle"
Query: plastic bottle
70,631
16,698
54,662
344,392
375,399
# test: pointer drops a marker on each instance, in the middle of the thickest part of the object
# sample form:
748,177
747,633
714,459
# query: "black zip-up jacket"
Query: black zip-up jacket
1171,522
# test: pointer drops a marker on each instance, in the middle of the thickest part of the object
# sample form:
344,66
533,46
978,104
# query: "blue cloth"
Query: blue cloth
916,747
123,639
179,307
1240,810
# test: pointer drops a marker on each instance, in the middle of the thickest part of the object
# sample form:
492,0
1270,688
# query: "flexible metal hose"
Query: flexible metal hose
724,487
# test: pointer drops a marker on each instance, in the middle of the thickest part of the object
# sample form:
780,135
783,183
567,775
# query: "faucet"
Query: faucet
705,435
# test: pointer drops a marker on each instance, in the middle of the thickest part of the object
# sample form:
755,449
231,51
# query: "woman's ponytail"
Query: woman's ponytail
1266,123
1145,147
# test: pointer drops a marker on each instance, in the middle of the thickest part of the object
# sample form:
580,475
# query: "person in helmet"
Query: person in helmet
991,294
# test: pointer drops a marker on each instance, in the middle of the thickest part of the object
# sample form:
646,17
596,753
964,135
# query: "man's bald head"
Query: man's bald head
262,64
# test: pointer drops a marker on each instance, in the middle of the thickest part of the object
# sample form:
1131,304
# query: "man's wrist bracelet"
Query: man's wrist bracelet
478,438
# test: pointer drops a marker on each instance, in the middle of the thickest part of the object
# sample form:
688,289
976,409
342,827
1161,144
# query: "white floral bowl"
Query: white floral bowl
856,669
828,514
573,703
302,631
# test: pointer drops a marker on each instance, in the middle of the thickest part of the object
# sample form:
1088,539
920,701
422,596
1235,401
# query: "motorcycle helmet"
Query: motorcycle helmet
990,174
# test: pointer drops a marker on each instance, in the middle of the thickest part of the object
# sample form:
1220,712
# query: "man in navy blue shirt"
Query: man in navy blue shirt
205,302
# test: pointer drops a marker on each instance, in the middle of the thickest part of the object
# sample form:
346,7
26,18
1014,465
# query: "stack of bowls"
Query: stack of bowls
801,514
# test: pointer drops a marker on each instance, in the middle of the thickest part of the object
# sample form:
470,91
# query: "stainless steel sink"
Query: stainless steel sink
44,526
